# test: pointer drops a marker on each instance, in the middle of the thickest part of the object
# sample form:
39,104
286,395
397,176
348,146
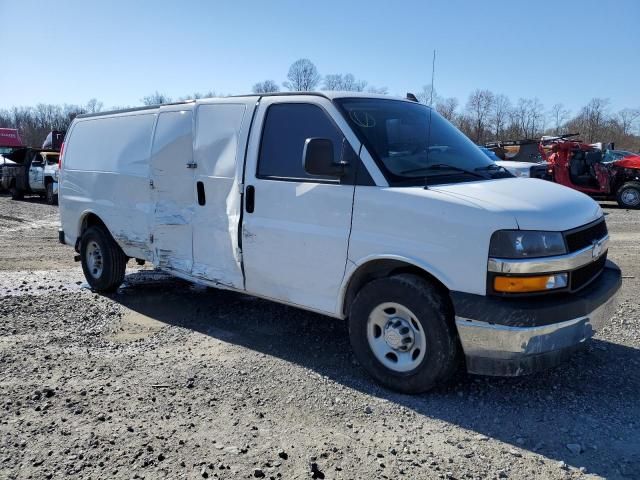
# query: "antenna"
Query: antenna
433,73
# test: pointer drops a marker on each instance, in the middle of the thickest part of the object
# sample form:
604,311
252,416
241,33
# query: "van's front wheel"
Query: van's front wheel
103,261
402,335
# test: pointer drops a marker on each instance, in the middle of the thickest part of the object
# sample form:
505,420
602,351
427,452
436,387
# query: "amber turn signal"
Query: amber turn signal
529,284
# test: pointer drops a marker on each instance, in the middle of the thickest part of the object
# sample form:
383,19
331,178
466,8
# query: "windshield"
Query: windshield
413,144
615,155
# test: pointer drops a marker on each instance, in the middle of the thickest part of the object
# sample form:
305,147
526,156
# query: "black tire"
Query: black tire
16,194
113,261
623,197
434,317
52,199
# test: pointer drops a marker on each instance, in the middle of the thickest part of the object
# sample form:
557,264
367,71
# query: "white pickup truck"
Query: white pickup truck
361,207
32,172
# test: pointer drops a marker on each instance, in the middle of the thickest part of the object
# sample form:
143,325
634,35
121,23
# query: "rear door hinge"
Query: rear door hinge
151,183
151,238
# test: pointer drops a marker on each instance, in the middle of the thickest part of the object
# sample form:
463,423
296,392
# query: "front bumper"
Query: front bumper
518,336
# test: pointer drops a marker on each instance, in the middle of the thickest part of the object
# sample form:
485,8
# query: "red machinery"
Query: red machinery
9,137
586,168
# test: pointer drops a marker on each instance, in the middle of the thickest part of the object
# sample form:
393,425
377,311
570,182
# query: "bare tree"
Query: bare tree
94,106
537,118
268,86
500,114
156,98
34,123
527,118
465,124
346,83
627,118
428,95
378,90
594,117
447,108
518,116
197,95
559,115
303,76
332,82
478,109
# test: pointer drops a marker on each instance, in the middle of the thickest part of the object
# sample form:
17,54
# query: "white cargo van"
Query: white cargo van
361,207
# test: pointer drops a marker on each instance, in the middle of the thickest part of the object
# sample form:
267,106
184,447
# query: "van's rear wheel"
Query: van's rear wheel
628,195
402,333
103,261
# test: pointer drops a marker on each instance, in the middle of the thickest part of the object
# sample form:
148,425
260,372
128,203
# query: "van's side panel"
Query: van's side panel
106,172
173,190
294,241
222,129
438,243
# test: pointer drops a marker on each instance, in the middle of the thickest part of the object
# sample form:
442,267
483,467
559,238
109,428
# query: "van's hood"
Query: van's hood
535,204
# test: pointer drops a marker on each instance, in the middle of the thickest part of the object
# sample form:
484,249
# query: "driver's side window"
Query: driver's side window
286,127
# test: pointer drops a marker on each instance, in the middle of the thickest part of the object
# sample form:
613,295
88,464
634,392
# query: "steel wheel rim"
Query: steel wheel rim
631,196
395,337
95,263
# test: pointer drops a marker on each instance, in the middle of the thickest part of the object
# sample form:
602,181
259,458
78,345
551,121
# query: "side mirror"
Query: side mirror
318,158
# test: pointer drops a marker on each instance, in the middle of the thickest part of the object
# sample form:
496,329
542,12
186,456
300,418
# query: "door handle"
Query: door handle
201,197
250,200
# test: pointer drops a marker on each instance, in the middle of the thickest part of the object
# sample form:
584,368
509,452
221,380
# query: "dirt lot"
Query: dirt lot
168,380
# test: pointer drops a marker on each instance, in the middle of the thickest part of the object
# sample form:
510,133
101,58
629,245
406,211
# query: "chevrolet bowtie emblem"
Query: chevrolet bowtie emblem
597,248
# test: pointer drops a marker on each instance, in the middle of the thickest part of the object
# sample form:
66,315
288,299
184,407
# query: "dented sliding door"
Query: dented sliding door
172,181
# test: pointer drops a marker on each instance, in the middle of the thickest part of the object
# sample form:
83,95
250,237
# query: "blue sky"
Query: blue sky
119,51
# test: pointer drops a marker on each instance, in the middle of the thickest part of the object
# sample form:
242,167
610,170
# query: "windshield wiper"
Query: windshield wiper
443,166
493,167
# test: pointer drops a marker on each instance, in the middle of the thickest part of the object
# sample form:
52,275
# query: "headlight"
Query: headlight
521,173
526,244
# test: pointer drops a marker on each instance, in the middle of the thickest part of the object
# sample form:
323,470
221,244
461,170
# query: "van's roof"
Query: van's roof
330,95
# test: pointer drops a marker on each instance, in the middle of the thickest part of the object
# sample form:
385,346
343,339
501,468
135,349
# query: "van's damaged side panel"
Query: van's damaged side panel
221,132
173,190
109,179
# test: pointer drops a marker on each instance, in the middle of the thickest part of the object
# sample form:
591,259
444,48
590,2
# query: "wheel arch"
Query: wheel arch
384,266
88,219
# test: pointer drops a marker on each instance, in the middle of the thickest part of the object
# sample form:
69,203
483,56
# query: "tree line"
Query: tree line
485,116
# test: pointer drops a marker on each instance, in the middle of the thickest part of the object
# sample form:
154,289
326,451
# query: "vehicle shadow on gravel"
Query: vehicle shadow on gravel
584,412
27,199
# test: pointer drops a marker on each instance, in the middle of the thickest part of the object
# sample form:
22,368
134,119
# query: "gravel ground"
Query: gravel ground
168,380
